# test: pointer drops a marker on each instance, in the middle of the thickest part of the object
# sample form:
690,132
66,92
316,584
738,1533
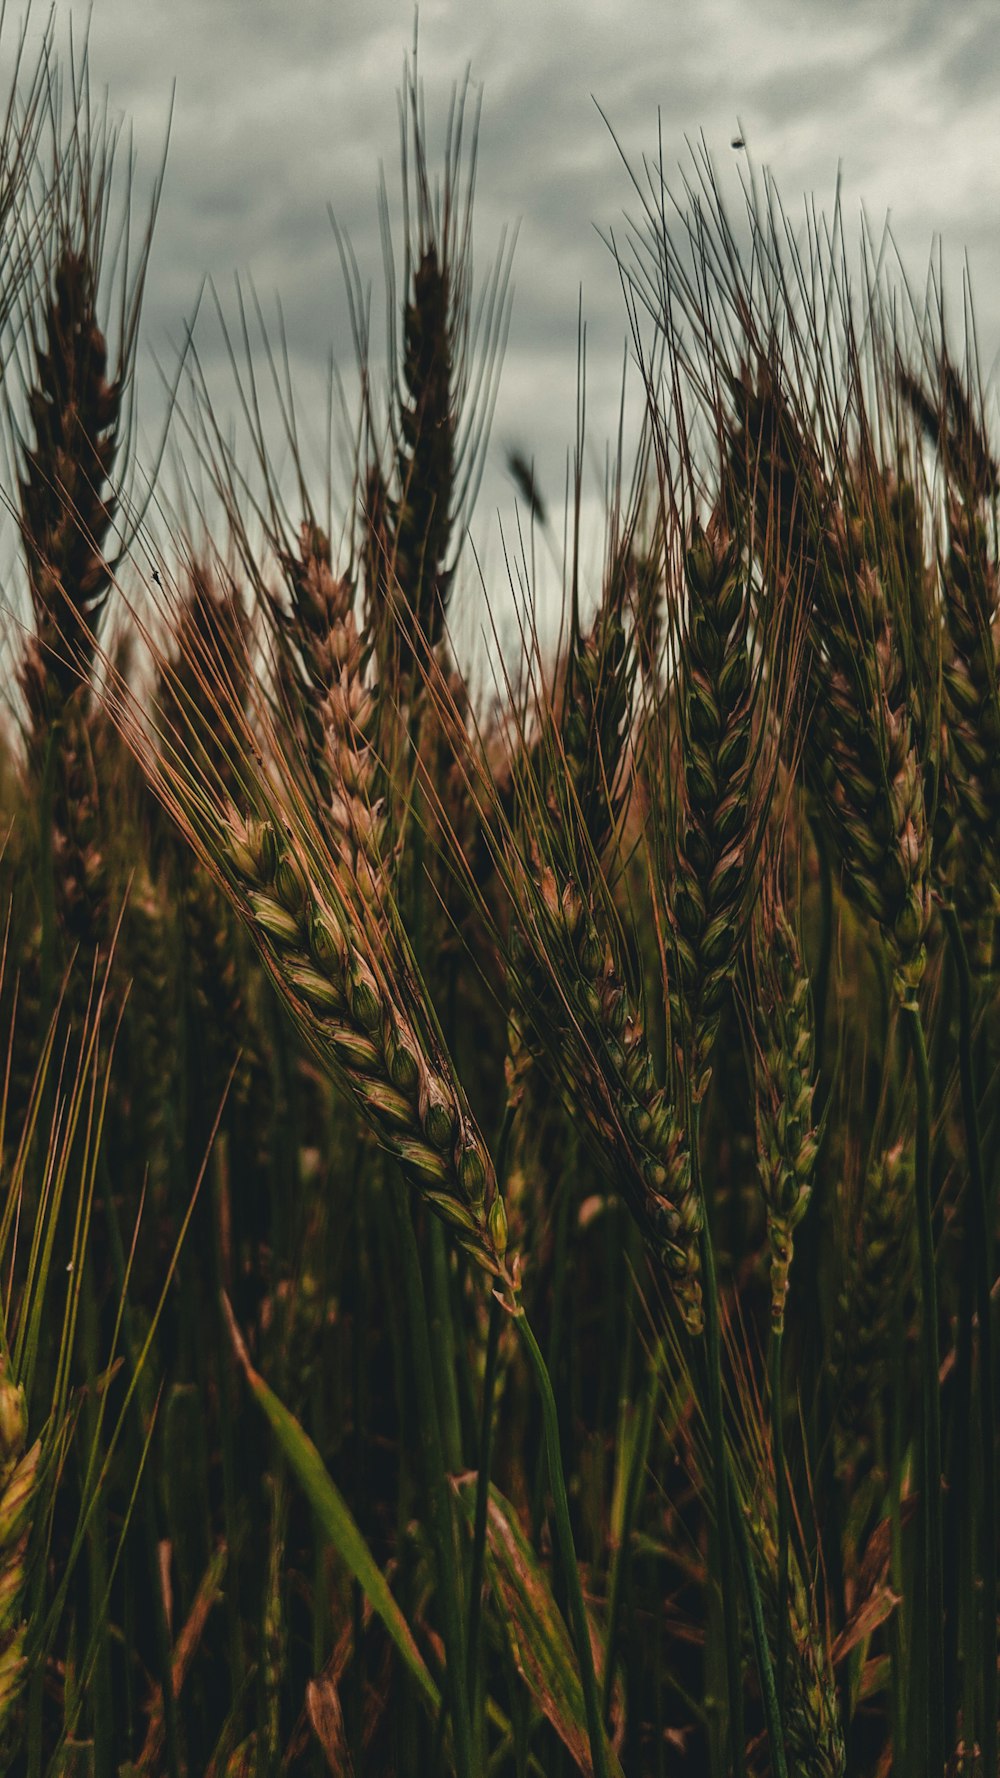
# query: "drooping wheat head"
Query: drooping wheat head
362,1021
325,926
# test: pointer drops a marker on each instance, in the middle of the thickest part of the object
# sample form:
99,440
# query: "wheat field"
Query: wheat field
499,1170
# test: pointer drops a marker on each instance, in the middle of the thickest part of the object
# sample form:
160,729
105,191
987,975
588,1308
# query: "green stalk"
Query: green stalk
441,1520
720,1470
555,1341
821,979
933,1551
735,1529
485,1460
897,1637
765,1671
146,1481
567,1550
976,1259
781,1496
359,1393
443,1349
46,880
228,1430
99,1692
659,1669
620,1565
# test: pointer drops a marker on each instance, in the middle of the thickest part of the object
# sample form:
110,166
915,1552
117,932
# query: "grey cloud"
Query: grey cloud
283,108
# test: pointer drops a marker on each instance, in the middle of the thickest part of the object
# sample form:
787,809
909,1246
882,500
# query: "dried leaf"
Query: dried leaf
540,1643
879,1606
327,1720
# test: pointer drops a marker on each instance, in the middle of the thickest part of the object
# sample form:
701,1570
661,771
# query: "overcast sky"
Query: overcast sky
282,108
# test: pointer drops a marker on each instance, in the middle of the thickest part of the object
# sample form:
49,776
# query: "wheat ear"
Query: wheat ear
356,1018
568,986
811,1713
785,1082
19,1467
718,823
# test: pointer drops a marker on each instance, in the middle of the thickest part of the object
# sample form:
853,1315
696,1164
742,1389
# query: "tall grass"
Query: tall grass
498,1195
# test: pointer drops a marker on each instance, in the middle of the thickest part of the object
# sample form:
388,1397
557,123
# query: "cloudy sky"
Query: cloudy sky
282,108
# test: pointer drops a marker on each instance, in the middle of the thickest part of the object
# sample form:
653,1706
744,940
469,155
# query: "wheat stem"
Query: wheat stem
781,1502
977,1258
933,1553
725,1518
442,1522
482,1504
567,1549
758,1631
620,1567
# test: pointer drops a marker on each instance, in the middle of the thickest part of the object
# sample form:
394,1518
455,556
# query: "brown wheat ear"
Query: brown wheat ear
341,713
66,503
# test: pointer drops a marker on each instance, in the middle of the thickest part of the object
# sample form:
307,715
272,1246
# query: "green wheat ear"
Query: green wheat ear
815,1741
785,1082
727,785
